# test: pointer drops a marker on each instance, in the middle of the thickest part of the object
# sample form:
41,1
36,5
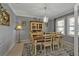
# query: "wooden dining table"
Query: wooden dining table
46,39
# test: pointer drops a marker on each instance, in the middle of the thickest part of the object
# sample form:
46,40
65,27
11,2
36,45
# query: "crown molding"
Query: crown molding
12,8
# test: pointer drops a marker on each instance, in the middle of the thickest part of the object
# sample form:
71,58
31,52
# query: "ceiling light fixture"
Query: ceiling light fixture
45,19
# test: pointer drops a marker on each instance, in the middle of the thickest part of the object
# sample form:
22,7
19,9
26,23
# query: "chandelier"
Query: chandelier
45,19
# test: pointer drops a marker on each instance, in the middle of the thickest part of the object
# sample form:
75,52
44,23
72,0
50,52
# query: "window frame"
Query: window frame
68,26
63,26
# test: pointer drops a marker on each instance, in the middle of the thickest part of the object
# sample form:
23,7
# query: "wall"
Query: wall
51,25
7,33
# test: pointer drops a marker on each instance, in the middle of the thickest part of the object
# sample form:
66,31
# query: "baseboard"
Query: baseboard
25,41
9,49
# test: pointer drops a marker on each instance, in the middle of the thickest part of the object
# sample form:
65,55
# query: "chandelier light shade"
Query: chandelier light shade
19,27
45,19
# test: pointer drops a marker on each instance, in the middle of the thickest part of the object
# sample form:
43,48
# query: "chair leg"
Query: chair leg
41,48
62,44
50,48
53,46
44,50
35,50
58,46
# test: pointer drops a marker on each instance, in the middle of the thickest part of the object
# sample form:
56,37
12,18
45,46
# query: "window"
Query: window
78,25
60,25
71,26
71,21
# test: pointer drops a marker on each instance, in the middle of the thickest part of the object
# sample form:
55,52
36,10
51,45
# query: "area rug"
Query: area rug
65,51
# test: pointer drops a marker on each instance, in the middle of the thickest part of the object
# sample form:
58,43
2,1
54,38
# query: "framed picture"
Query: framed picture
4,17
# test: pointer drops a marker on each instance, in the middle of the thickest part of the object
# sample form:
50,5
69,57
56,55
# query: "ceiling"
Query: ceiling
37,9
